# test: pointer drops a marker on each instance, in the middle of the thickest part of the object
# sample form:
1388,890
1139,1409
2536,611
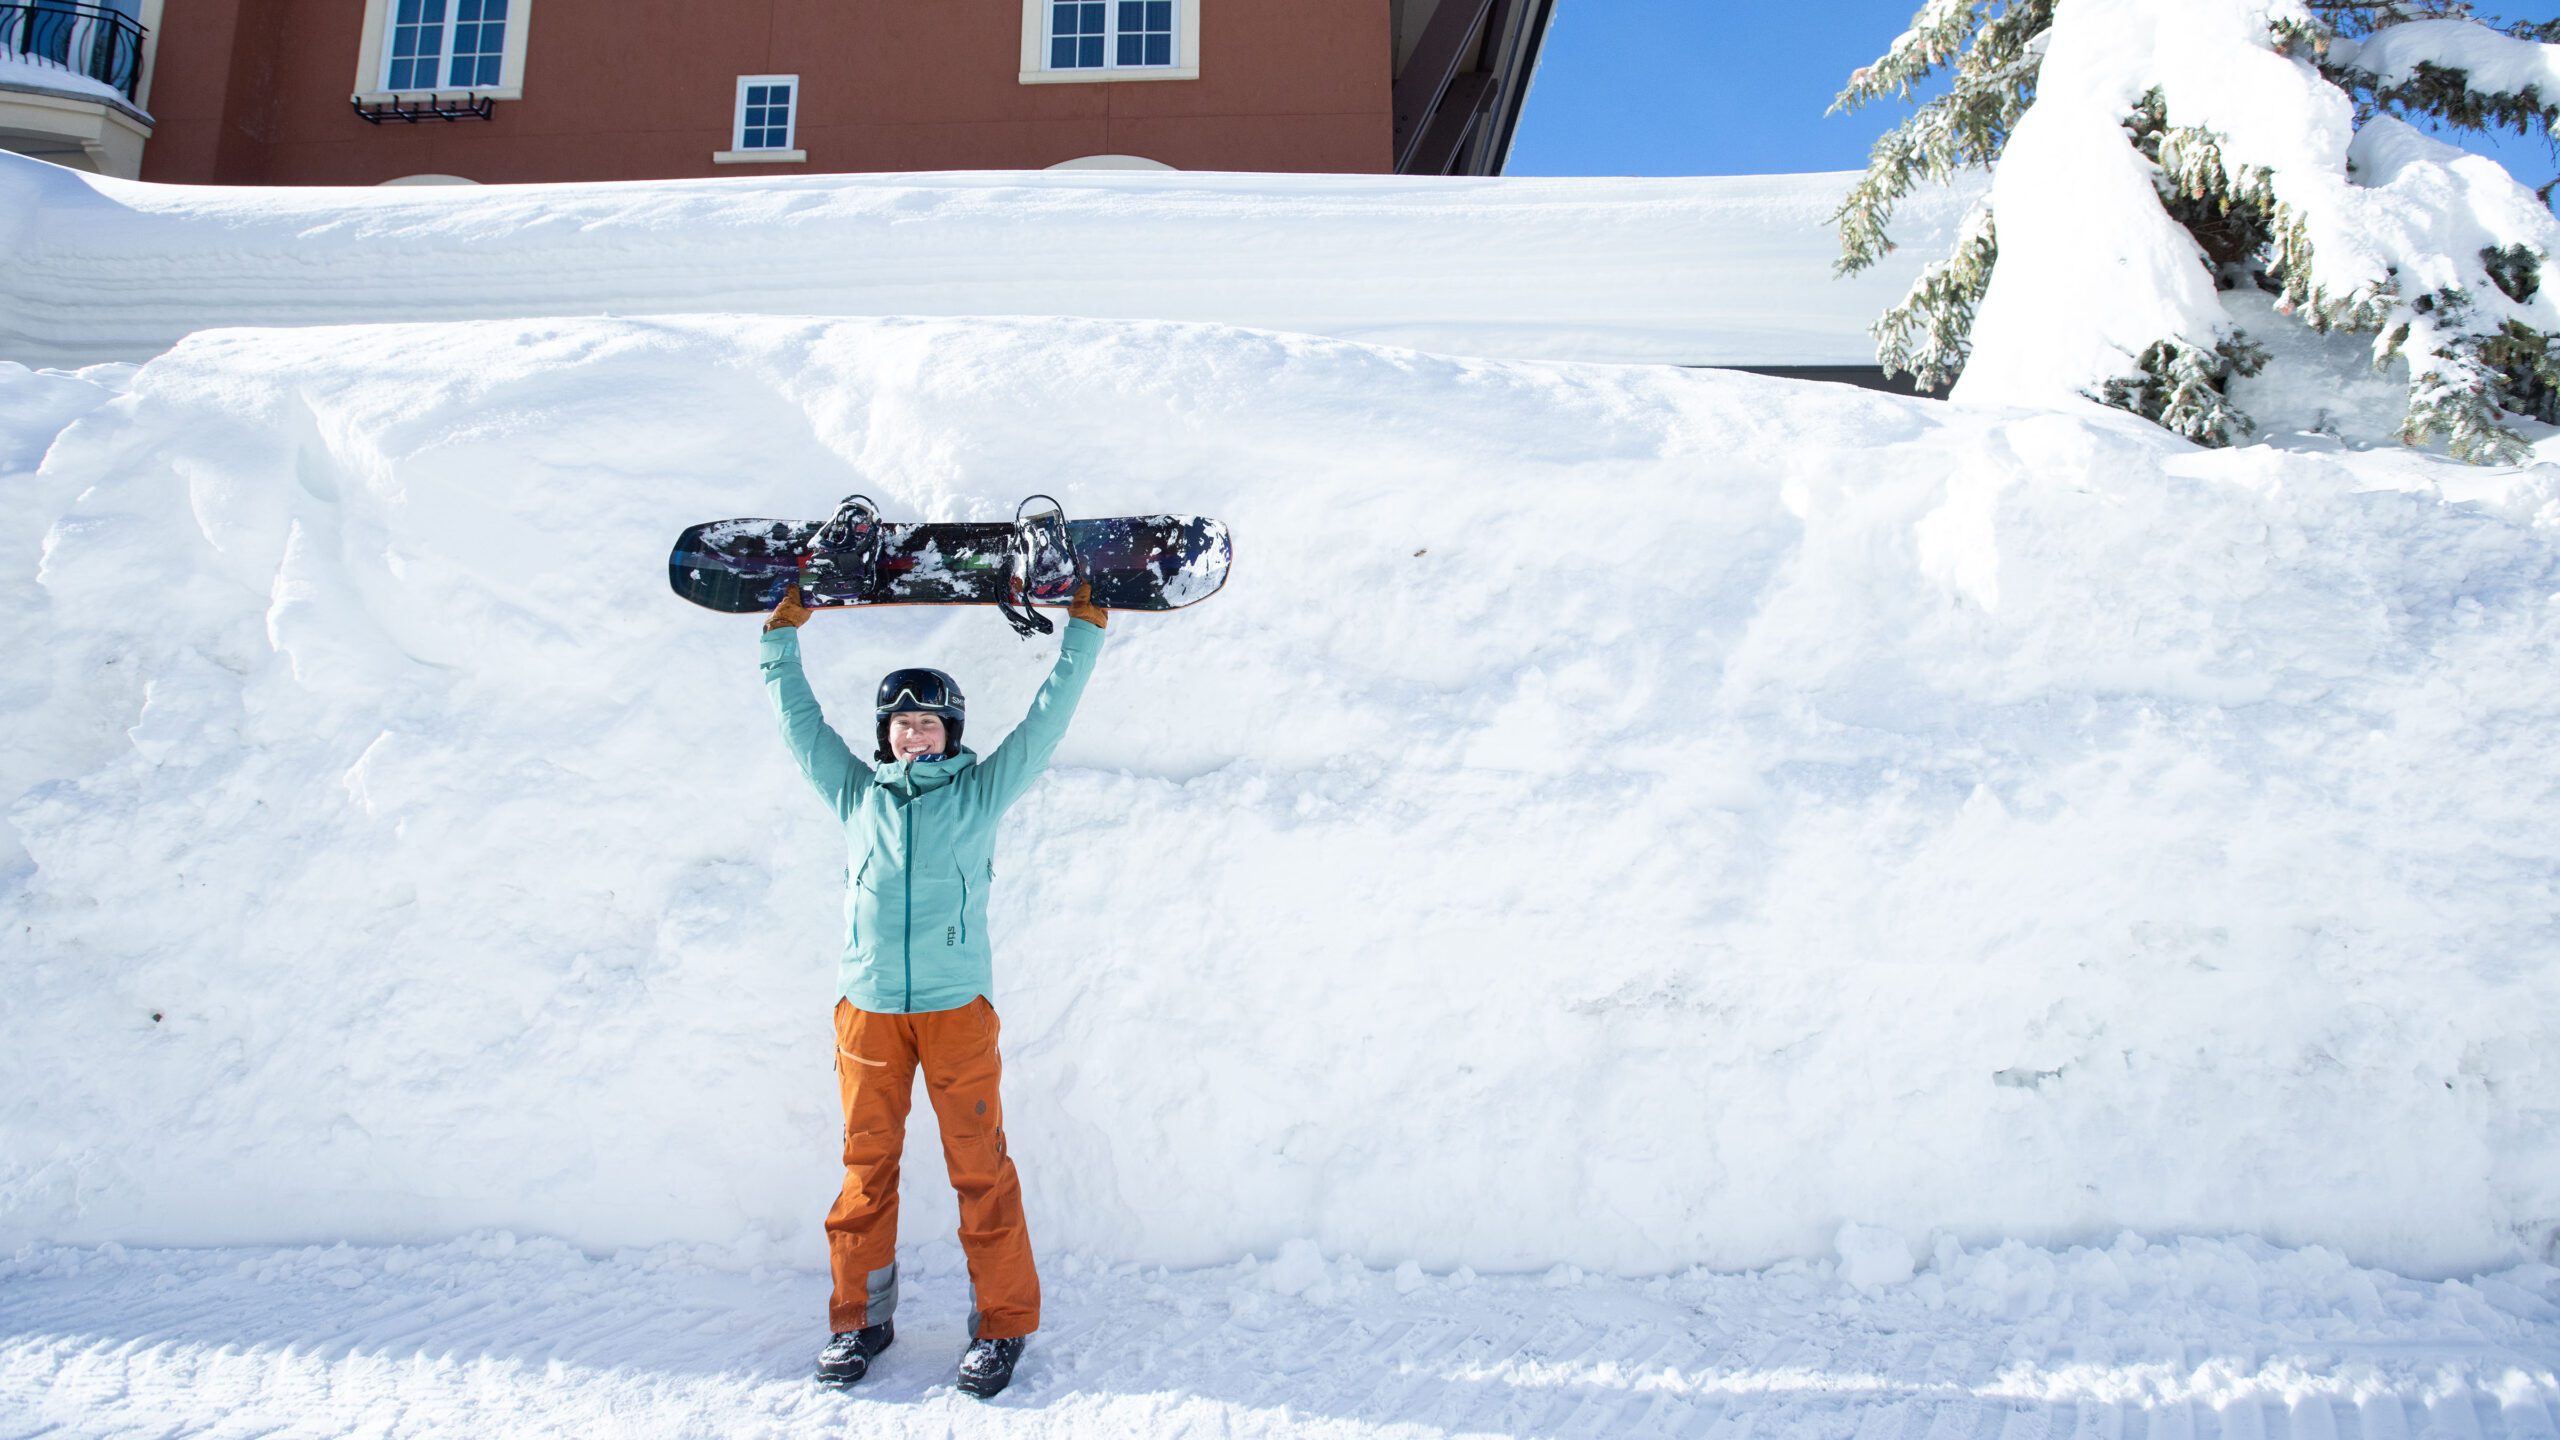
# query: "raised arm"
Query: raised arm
1025,753
824,757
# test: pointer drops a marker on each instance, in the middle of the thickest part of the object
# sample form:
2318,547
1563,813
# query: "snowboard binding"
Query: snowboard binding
843,556
1040,556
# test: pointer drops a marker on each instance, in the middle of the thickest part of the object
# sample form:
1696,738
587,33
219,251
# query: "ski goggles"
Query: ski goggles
925,690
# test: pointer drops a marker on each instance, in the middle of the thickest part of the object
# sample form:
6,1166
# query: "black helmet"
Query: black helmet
922,692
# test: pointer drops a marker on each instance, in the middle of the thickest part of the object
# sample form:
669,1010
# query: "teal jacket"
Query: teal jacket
920,836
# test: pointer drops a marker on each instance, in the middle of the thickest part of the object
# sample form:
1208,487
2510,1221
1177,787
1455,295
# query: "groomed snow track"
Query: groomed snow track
2200,1340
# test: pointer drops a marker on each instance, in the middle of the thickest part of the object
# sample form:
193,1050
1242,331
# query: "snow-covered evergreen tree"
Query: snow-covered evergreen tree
2159,163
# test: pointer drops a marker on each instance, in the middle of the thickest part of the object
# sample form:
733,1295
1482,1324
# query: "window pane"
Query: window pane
1160,15
1062,54
1133,14
417,45
1093,18
1133,49
1159,49
781,95
493,9
1089,52
1062,19
478,46
755,94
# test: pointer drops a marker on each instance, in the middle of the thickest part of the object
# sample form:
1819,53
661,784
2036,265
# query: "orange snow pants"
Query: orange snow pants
876,1060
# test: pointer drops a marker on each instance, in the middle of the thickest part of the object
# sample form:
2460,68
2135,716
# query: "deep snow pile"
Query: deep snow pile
1617,816
1715,270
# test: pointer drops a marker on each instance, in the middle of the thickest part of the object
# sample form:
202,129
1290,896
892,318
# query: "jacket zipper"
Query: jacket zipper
908,813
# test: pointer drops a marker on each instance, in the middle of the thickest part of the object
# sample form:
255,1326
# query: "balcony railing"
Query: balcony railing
90,40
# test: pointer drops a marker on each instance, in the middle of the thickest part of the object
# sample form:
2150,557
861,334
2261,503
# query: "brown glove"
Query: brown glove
790,614
1083,608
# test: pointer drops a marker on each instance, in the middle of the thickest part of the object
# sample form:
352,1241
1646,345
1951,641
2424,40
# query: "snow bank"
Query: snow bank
1707,271
1619,817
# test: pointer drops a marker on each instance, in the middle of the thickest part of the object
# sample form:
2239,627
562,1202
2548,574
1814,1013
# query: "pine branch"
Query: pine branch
1929,335
1996,60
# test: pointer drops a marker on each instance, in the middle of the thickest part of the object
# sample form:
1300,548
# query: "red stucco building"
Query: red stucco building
364,92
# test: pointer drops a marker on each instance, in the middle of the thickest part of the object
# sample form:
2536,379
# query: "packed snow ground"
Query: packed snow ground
1702,271
1615,816
491,1336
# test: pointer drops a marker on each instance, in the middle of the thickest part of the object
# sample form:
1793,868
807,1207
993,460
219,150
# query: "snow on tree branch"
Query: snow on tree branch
2492,63
2156,161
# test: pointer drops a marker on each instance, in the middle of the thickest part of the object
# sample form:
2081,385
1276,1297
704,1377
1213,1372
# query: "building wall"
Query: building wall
255,92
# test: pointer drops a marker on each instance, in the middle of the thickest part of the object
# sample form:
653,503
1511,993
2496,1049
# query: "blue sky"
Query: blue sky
1720,87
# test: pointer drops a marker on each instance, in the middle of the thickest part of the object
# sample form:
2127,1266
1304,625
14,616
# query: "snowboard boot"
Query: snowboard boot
988,1366
847,1357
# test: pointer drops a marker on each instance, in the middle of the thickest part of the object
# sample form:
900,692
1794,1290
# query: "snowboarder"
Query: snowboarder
914,978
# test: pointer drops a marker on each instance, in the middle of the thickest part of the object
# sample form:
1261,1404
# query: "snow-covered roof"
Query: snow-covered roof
1715,271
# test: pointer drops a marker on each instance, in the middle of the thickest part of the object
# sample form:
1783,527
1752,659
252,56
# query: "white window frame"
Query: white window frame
373,57
1035,49
738,153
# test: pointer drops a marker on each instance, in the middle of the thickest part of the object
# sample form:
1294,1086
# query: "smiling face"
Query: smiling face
913,733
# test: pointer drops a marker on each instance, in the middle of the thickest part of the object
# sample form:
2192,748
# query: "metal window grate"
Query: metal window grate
422,109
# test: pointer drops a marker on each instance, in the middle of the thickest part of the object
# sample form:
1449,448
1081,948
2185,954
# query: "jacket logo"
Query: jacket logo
950,934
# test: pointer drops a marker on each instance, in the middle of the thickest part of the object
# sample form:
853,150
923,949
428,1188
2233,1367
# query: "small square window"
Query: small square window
765,112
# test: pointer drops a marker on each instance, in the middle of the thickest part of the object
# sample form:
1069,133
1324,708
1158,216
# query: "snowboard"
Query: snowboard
1141,562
